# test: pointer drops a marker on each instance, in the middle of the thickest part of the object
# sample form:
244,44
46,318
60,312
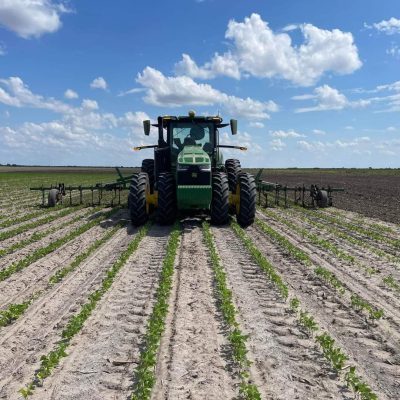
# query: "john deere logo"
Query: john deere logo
194,174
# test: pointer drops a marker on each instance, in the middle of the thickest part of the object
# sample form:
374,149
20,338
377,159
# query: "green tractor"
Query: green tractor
188,174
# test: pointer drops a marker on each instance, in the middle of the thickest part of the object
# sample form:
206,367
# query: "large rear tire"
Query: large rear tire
220,199
166,199
52,198
137,199
233,169
246,209
148,168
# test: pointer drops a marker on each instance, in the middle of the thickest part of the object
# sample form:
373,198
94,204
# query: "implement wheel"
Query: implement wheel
166,199
246,207
322,199
148,167
138,208
220,199
53,197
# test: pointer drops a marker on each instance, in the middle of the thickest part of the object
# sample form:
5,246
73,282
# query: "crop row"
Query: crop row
14,311
76,322
36,236
358,220
144,374
389,281
356,228
329,277
308,216
35,224
236,338
320,242
43,251
333,354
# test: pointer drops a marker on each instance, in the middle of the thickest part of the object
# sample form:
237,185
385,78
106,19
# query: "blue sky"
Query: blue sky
312,83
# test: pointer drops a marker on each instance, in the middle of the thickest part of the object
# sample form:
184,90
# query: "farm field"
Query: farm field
304,304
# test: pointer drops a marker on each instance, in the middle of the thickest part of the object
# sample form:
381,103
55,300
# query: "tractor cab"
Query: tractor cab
188,173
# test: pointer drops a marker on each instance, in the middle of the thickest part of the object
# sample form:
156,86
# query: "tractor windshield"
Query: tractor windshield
192,134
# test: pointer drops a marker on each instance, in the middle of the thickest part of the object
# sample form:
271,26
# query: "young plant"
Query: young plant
236,338
145,373
360,304
39,253
265,265
49,361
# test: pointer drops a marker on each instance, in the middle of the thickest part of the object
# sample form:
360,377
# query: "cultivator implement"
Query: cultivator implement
56,193
311,196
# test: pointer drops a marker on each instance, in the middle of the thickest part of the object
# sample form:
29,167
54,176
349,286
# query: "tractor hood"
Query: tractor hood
193,155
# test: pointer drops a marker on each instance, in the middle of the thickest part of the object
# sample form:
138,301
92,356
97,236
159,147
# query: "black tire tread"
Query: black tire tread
233,169
166,198
137,199
220,199
148,167
247,209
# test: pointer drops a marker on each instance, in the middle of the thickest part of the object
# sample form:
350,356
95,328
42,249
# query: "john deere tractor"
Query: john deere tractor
188,174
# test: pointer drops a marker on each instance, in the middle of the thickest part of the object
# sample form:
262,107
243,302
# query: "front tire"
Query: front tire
220,199
166,199
137,199
246,209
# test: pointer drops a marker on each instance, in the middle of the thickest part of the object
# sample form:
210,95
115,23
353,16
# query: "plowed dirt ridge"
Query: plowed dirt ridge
195,358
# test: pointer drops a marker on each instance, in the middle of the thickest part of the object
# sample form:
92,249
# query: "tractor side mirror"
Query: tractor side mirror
234,126
146,127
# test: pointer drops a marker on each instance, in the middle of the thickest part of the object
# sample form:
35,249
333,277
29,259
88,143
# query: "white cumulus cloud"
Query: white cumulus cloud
390,26
31,18
70,94
184,91
99,83
14,92
259,51
286,134
328,98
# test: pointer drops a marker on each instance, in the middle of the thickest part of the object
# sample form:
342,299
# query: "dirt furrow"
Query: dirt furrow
368,287
340,225
367,222
35,276
287,364
375,356
19,254
363,255
4,244
192,362
36,219
102,357
39,328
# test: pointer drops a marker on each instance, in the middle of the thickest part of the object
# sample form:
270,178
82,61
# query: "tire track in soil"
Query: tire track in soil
18,254
29,221
308,220
34,277
103,356
192,363
35,333
389,248
370,288
376,357
286,363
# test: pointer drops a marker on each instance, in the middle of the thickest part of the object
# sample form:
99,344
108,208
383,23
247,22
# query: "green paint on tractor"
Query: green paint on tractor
194,165
188,173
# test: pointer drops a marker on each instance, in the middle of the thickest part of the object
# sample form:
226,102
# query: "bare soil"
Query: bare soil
375,195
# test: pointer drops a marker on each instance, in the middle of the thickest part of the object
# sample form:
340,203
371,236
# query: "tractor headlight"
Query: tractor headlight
182,167
205,167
